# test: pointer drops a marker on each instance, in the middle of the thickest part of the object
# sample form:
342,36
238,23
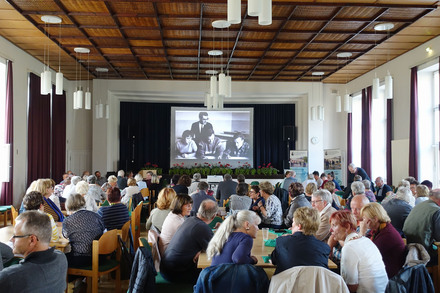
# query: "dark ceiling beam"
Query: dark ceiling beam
162,37
273,40
237,38
200,39
310,41
64,9
124,37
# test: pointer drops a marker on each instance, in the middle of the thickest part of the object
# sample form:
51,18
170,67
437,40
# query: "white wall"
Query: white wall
78,123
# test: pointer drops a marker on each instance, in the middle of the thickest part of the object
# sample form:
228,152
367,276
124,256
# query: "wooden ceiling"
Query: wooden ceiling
165,39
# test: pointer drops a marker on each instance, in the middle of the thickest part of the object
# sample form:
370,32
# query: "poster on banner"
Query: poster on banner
299,163
333,163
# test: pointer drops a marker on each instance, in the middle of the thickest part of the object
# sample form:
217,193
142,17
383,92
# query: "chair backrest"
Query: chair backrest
145,192
307,279
232,278
153,240
124,232
14,213
108,242
136,225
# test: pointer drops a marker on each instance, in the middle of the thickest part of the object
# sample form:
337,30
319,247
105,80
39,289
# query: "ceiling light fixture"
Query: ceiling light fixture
78,95
388,78
260,8
99,108
46,77
347,97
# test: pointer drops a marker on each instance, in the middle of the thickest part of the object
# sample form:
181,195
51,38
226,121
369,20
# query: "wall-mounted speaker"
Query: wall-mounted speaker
288,133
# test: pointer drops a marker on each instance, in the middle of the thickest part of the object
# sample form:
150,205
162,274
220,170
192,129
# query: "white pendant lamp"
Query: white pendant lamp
347,103
388,86
101,110
234,11
313,113
254,7
213,86
59,80
321,113
88,101
107,111
338,104
222,84
265,17
79,98
375,88
228,86
46,78
75,100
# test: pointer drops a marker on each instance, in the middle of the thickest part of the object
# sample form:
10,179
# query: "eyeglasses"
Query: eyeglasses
315,201
20,236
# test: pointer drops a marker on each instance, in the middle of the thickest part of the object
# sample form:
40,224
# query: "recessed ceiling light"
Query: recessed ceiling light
318,73
101,69
344,55
384,26
215,53
211,72
221,24
81,50
51,19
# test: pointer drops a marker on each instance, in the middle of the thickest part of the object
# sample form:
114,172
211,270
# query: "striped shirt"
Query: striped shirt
114,216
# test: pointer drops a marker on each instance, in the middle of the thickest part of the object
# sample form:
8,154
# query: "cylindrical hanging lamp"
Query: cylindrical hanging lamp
101,110
42,83
228,86
47,82
80,97
375,88
321,113
254,7
347,103
107,111
222,84
388,86
213,85
88,101
234,11
75,100
338,104
313,113
265,17
59,78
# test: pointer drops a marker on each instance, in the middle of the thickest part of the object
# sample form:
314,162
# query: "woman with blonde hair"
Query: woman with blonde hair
131,189
44,186
301,248
422,193
385,236
233,241
309,190
159,214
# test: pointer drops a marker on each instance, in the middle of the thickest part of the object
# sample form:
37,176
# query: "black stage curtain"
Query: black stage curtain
145,133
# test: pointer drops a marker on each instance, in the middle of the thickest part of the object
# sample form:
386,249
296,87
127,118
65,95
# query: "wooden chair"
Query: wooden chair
6,211
14,213
153,240
107,244
136,225
125,233
145,193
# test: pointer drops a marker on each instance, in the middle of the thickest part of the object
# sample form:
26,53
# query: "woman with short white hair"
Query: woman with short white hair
82,188
233,241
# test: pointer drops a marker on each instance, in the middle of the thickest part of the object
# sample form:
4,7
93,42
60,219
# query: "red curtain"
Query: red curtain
7,192
366,130
413,133
58,136
38,132
388,142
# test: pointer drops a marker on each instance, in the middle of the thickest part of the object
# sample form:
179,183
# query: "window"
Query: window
4,150
428,123
378,134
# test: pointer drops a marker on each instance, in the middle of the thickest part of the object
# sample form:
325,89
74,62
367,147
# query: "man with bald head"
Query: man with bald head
357,203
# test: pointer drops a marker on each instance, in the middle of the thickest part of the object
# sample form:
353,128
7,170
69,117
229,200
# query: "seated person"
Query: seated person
186,146
43,269
233,241
180,208
254,194
160,213
210,145
238,147
6,255
385,236
301,248
115,215
298,199
34,201
95,190
199,196
271,212
179,262
81,227
131,189
322,202
362,267
240,200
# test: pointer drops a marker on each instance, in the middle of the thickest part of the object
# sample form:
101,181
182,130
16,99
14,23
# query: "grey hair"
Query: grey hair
227,177
366,183
82,187
324,194
197,176
203,186
91,179
357,187
352,165
231,224
76,179
36,223
404,193
435,193
121,173
75,202
208,209
403,183
138,177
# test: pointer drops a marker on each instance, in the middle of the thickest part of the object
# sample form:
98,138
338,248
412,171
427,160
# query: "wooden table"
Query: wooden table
258,250
7,232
